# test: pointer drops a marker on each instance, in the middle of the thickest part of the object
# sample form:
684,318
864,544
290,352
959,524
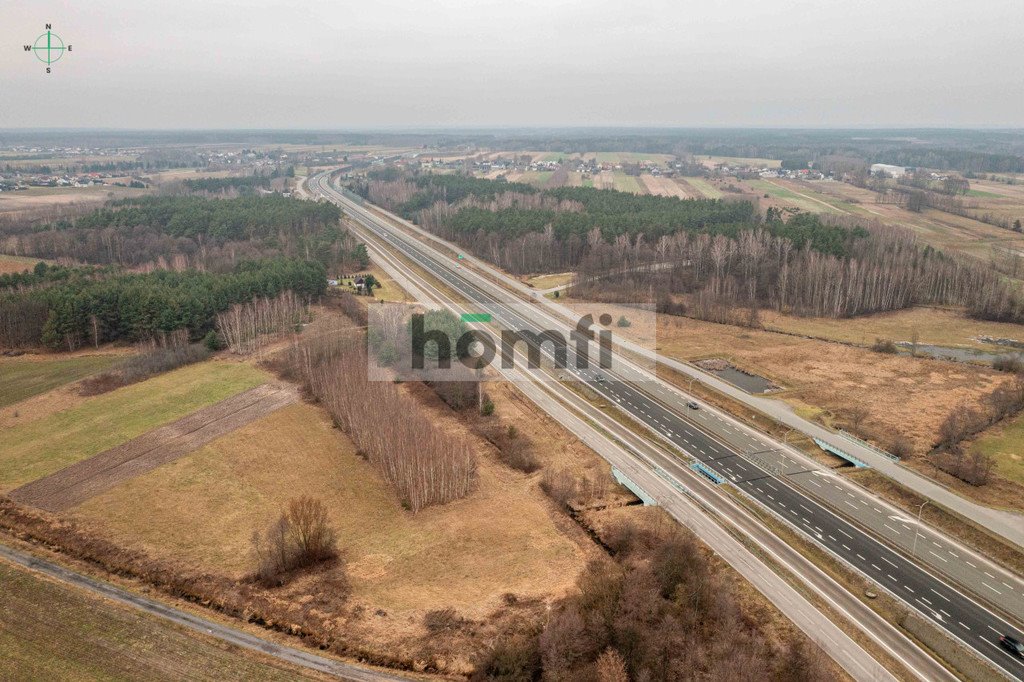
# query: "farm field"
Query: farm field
628,157
712,161
52,631
627,183
24,377
934,326
654,184
37,447
203,508
42,197
705,189
901,395
943,230
791,197
9,264
537,178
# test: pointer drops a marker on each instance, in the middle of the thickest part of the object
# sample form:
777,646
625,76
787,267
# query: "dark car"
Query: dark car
1013,645
693,405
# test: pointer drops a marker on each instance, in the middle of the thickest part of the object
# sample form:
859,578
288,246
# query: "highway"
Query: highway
948,608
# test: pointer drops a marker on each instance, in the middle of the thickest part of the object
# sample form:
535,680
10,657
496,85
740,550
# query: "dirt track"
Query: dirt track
80,481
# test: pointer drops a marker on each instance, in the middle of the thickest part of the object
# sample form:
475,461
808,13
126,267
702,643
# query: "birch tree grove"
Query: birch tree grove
247,327
423,462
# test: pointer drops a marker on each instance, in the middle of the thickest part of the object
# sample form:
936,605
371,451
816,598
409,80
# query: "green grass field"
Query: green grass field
1006,445
41,447
537,178
983,193
705,188
51,631
21,379
791,197
628,183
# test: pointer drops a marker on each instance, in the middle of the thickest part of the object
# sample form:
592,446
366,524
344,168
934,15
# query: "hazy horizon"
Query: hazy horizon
266,65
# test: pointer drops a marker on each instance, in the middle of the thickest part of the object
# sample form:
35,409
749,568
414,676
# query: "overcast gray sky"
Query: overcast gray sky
398,63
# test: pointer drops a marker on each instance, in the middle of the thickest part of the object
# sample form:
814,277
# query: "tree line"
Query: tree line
193,231
728,279
90,308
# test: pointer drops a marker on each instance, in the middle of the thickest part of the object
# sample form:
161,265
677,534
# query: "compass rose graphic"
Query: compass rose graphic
48,47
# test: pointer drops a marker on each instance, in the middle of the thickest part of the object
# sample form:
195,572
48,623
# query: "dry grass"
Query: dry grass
203,508
9,264
548,281
934,325
38,447
901,394
40,197
52,631
663,186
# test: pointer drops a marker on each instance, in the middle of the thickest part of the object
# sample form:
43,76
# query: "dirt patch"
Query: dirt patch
75,484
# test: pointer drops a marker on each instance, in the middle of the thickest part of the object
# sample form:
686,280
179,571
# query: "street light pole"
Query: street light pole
917,529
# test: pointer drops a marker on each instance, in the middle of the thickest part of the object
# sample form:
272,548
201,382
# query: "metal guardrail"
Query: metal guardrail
707,473
625,480
869,446
828,447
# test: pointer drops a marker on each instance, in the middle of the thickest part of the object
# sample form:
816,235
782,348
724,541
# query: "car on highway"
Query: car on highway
1013,645
693,405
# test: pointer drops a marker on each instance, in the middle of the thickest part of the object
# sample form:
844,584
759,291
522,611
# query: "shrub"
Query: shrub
559,485
300,537
487,409
514,449
440,620
623,321
213,341
1009,363
143,366
901,446
884,346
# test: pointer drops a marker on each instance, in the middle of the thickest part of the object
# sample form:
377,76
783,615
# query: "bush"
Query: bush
487,409
559,485
440,620
901,446
143,366
884,346
300,537
623,321
213,341
514,450
1009,363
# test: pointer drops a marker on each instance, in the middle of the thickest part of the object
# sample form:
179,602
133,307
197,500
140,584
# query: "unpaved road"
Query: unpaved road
345,671
75,484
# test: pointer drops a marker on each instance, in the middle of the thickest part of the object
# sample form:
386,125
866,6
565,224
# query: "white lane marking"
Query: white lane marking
990,587
940,594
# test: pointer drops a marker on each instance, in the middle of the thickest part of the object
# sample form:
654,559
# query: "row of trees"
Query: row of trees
137,307
424,463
